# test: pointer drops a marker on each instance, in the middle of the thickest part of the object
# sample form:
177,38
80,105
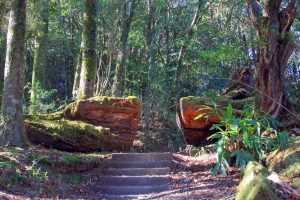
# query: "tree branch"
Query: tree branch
272,7
256,10
291,6
298,8
292,12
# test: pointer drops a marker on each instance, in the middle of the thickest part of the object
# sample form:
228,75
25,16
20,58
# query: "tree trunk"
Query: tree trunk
2,45
119,72
40,46
78,61
95,124
150,34
13,132
89,56
276,44
77,75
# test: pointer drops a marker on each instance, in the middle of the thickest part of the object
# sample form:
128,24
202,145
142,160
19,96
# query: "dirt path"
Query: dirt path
191,179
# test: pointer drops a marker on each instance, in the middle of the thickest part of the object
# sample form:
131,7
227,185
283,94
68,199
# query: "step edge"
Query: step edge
133,187
138,168
139,176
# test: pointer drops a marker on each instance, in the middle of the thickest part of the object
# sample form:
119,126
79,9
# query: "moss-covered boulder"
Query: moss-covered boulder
95,124
240,85
196,131
283,183
287,163
255,185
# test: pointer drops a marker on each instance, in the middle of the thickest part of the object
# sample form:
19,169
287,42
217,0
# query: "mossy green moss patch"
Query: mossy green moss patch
106,99
133,99
286,163
101,99
221,101
255,185
68,134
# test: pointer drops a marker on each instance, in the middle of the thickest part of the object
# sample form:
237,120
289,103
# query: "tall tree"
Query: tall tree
78,61
276,45
3,10
13,132
40,45
149,35
89,35
128,13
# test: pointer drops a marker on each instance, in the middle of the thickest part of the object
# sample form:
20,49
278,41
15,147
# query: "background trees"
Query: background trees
158,54
40,44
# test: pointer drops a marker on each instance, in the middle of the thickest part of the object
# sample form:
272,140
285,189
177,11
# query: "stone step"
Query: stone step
139,164
141,156
136,171
130,190
134,180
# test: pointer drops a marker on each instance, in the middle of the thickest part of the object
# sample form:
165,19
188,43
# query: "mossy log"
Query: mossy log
196,131
96,124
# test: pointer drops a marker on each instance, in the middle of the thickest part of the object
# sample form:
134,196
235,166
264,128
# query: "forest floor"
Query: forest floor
40,173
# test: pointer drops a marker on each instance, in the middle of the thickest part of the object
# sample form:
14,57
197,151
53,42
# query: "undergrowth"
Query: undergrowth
243,138
34,169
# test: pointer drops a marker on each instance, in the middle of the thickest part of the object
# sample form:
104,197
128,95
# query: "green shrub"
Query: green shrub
41,102
242,137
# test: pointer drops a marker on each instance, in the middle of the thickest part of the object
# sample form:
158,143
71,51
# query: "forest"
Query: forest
55,52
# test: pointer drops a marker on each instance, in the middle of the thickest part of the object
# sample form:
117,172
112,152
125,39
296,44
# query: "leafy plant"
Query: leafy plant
196,151
242,137
41,102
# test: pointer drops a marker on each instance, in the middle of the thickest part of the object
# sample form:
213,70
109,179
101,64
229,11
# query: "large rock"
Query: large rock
240,85
96,124
287,163
196,131
255,184
279,180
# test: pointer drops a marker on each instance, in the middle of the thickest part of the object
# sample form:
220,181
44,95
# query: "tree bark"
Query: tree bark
95,124
78,61
77,75
13,132
89,56
276,44
3,8
150,34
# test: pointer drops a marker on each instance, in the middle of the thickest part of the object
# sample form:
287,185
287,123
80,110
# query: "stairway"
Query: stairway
136,173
